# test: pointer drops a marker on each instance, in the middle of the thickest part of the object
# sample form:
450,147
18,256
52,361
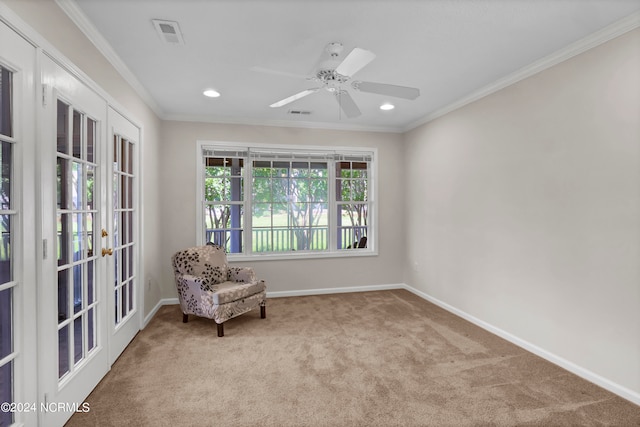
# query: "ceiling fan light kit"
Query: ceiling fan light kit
332,80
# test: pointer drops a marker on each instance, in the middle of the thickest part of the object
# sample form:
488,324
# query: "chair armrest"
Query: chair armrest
241,274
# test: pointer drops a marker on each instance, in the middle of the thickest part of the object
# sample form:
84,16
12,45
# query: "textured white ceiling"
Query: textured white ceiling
446,48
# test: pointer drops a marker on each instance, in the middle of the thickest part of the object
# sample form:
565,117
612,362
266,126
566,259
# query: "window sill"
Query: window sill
353,253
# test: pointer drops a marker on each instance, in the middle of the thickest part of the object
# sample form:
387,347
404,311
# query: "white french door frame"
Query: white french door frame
60,84
19,56
123,328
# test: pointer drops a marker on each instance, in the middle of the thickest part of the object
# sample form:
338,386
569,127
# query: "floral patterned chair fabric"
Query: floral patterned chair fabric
209,287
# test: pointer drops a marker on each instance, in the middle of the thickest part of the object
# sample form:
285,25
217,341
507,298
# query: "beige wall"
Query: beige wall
49,21
523,210
178,206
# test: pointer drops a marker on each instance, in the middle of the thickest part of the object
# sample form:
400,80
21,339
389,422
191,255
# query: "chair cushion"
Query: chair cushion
227,292
209,262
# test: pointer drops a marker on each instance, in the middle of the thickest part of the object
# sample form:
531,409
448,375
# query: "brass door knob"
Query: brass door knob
107,251
104,233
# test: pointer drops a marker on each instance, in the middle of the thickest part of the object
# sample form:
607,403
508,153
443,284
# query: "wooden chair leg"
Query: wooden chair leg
185,318
263,311
220,329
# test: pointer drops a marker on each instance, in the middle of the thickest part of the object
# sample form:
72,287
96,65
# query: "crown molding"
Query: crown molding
609,32
78,17
283,123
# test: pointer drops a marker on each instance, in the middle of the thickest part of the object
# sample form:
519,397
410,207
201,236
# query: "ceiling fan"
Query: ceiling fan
334,78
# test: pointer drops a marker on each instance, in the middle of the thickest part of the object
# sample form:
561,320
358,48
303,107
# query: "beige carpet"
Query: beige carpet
384,358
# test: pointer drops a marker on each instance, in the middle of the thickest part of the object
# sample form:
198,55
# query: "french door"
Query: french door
17,235
89,208
73,308
122,221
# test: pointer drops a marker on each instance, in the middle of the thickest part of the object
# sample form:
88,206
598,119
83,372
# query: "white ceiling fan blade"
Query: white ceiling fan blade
347,104
355,61
294,97
389,90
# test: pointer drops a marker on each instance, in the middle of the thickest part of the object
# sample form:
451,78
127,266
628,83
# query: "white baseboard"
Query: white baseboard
609,385
165,301
323,291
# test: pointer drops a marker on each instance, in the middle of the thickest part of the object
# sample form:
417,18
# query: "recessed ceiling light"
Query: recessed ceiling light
211,93
386,106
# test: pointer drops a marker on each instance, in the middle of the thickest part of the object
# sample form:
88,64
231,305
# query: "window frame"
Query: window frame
331,252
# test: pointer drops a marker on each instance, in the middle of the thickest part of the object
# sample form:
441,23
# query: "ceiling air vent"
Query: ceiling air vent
169,31
299,112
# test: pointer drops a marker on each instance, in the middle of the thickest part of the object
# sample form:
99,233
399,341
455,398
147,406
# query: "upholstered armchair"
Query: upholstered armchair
209,287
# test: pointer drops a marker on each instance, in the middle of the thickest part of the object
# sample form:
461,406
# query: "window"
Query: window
291,202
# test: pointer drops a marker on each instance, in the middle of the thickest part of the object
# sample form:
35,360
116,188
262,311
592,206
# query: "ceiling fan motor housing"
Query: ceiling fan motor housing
331,79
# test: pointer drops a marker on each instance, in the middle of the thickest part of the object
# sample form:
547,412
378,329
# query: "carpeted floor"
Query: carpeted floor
384,358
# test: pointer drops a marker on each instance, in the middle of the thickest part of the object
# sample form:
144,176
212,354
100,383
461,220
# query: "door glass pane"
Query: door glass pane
116,192
78,236
89,234
123,295
77,339
6,111
117,306
130,158
77,185
116,228
123,155
90,283
5,220
6,317
63,128
122,260
115,152
91,342
129,192
5,185
77,288
90,181
62,172
63,295
77,134
130,226
63,351
6,391
91,137
63,237
130,257
131,295
5,249
123,192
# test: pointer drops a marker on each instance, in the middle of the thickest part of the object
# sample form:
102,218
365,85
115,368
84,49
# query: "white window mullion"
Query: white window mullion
248,207
332,219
